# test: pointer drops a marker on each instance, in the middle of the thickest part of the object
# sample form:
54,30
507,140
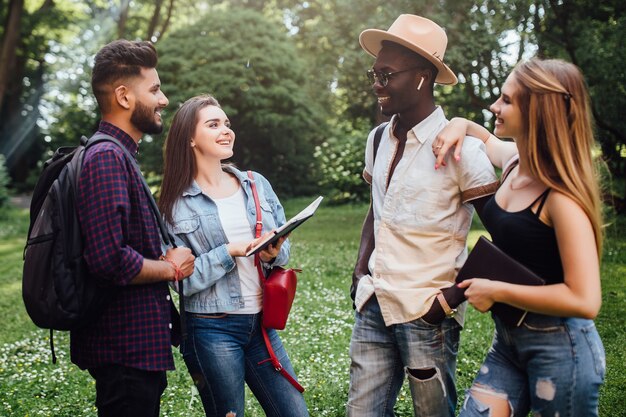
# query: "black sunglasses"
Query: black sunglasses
382,78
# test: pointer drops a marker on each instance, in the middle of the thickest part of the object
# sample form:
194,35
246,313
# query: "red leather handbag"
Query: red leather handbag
279,290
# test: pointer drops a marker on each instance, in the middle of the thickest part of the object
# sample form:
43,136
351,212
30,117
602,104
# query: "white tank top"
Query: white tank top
233,216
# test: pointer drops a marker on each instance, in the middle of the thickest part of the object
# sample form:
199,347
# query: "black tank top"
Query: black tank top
525,238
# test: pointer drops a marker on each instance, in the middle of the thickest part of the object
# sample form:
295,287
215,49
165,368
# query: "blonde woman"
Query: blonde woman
545,214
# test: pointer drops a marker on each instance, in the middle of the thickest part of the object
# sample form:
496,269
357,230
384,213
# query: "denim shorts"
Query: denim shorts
552,366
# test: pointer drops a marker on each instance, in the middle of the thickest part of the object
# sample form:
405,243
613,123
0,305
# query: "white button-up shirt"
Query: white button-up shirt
421,221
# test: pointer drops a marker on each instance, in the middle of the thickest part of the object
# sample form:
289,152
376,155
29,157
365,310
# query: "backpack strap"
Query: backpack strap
257,262
102,137
99,137
377,138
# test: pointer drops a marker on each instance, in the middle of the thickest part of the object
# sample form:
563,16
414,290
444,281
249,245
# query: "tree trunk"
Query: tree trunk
9,45
170,11
123,17
155,18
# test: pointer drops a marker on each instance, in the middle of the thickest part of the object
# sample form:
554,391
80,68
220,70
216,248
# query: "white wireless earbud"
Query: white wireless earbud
420,84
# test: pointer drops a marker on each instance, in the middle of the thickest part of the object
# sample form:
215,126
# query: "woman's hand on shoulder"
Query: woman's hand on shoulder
450,139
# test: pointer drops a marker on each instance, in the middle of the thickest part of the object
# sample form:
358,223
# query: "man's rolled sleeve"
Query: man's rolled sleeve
477,177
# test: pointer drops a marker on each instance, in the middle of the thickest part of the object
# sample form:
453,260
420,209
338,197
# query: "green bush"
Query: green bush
340,160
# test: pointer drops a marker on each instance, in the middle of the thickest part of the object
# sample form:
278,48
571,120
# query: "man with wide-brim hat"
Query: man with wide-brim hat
418,34
414,236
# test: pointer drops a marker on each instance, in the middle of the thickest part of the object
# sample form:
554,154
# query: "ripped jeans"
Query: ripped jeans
382,355
552,366
222,351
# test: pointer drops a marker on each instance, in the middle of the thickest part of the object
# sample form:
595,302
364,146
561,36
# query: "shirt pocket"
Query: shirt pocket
267,214
187,226
194,236
422,206
266,207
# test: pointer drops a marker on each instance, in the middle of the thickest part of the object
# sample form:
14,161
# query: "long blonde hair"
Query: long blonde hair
555,105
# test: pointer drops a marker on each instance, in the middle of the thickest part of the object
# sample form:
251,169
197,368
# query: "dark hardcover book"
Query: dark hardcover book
488,261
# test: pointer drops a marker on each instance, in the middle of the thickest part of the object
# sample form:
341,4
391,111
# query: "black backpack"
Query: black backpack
57,290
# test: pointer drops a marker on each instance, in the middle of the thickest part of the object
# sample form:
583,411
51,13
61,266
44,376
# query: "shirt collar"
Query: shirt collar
124,138
423,130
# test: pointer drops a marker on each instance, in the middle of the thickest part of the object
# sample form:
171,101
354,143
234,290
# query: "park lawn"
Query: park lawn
317,334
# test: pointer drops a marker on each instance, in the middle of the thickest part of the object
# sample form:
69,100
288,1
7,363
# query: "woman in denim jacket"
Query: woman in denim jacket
209,208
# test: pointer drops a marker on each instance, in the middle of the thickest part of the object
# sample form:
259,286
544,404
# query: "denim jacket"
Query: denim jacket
214,286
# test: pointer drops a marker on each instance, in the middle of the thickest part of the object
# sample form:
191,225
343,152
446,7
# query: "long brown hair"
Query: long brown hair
180,166
555,105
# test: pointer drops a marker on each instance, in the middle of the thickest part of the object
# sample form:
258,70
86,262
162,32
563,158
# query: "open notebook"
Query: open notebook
286,228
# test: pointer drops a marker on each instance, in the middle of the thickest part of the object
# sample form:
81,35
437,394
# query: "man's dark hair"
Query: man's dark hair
413,58
118,60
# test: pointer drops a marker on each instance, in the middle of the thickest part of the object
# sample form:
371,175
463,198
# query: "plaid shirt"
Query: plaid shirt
119,231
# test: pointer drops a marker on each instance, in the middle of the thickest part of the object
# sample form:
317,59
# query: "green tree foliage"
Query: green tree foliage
316,61
592,35
481,38
49,101
23,74
70,107
340,160
247,61
486,39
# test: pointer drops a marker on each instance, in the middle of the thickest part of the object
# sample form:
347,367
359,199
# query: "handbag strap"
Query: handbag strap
258,226
276,363
257,262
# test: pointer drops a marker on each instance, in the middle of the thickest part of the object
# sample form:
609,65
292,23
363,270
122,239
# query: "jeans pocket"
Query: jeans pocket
596,348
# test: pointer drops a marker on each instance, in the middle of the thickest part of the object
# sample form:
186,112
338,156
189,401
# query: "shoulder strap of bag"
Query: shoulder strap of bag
167,238
257,261
259,223
377,137
102,137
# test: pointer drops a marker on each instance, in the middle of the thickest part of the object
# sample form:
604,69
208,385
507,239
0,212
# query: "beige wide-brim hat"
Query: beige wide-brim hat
418,34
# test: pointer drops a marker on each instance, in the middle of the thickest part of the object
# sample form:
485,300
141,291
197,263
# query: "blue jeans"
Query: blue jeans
222,351
381,355
552,366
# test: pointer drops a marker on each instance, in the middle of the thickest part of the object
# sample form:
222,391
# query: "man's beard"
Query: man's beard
143,118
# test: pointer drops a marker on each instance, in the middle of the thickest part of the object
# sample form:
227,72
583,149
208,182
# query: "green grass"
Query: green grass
317,335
